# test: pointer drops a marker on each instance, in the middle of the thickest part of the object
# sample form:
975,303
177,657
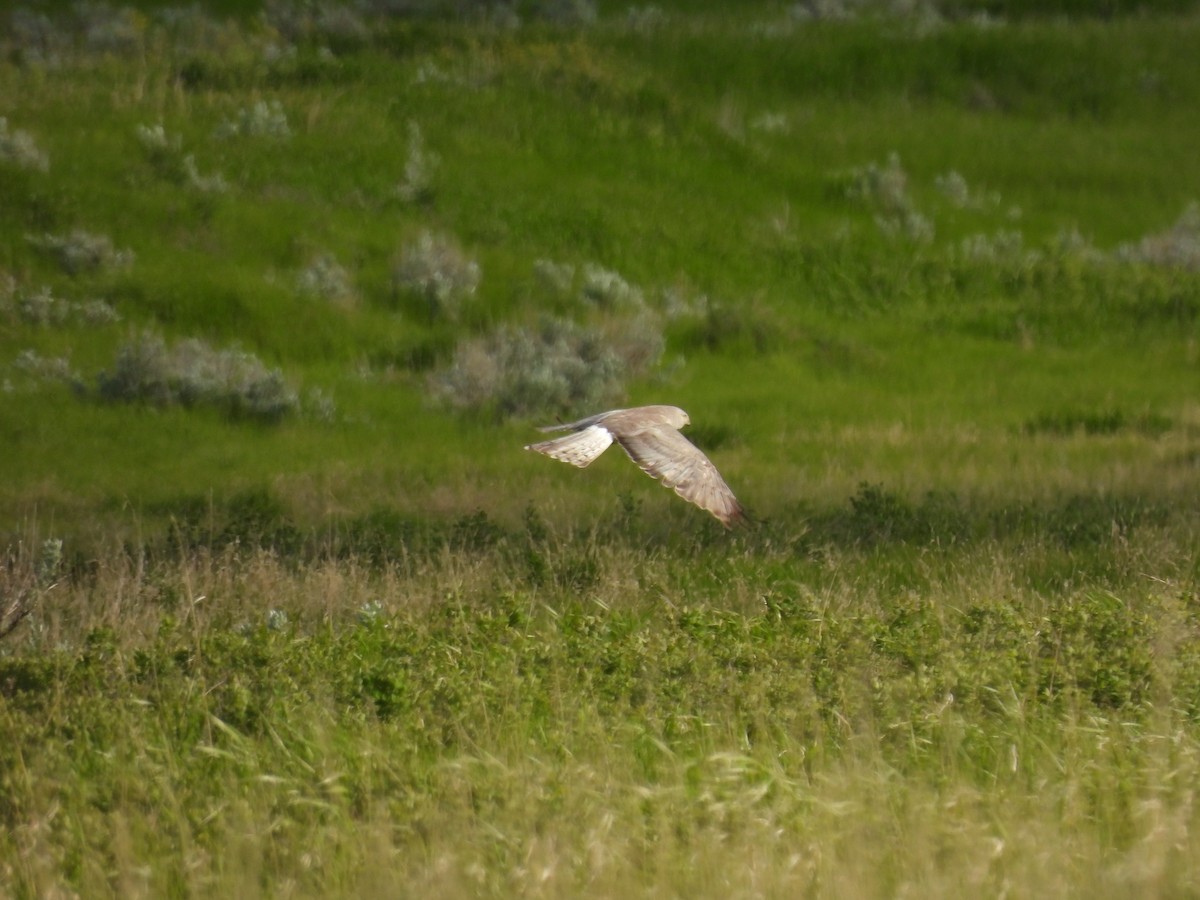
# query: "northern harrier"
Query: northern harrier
650,435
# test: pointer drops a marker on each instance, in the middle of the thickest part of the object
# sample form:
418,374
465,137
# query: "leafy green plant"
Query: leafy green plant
1098,646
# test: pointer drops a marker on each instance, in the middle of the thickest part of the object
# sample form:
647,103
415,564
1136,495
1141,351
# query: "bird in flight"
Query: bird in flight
650,435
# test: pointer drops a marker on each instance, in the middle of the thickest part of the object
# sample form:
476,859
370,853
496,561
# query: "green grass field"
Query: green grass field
288,611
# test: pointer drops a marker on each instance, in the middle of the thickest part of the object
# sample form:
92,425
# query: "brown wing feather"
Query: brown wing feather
665,454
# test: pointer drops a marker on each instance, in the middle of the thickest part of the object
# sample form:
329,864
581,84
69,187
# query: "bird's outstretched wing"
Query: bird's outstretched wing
665,454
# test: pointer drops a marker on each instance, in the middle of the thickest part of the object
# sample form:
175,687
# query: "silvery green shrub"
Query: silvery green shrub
326,279
435,269
1178,247
36,39
262,119
567,12
885,189
518,370
556,278
81,251
148,370
417,186
608,289
317,20
109,28
205,184
45,368
18,148
555,366
953,186
41,307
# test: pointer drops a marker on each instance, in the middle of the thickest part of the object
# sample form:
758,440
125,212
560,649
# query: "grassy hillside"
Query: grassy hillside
830,225
290,611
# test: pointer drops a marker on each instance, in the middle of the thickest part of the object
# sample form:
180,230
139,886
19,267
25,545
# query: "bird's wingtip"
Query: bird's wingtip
739,518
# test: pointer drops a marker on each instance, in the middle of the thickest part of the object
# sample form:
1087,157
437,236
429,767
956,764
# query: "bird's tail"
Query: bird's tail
578,448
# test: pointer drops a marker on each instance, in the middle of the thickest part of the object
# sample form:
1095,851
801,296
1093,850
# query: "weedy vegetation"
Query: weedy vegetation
285,610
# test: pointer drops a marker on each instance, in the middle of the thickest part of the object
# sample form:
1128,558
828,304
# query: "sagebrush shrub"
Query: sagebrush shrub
317,20
770,123
320,405
1068,243
205,184
435,269
43,368
1178,247
556,278
417,186
646,19
884,186
18,148
999,247
163,152
567,12
193,28
925,13
35,38
40,307
953,186
81,252
109,28
154,138
262,119
147,370
885,189
519,370
563,364
326,279
607,288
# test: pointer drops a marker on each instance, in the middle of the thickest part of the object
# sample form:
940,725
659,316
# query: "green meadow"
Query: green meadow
286,610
